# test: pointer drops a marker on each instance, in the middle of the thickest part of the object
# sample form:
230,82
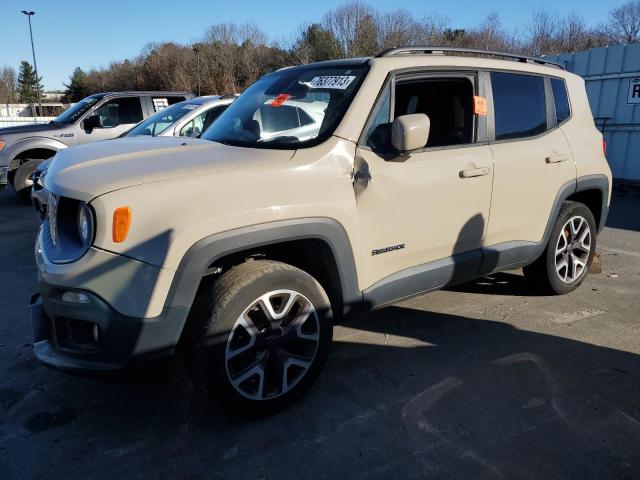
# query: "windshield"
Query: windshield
290,109
77,110
160,121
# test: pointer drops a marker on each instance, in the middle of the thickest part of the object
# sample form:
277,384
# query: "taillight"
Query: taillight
604,146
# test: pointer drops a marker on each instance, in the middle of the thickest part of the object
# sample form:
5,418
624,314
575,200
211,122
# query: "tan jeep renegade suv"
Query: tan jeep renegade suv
322,190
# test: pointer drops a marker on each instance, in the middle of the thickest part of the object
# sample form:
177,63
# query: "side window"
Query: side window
561,99
448,102
119,111
304,117
377,134
279,119
212,115
519,105
195,127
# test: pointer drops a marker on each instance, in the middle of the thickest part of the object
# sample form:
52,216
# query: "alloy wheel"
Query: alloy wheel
573,249
272,344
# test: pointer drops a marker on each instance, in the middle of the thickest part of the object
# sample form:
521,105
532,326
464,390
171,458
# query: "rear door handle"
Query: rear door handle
475,172
563,157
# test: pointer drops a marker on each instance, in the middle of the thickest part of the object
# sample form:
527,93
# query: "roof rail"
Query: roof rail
441,50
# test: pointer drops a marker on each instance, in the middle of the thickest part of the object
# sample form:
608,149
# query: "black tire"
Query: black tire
543,273
219,305
22,179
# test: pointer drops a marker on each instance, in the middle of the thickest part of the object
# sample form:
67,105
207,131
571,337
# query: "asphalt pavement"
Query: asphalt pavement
486,380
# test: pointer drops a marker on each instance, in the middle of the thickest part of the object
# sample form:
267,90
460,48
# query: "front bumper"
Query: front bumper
116,325
93,336
39,200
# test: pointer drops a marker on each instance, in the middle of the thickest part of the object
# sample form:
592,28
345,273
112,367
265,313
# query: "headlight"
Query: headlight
52,212
85,224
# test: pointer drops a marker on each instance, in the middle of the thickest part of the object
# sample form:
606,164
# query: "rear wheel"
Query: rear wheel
260,336
565,262
22,181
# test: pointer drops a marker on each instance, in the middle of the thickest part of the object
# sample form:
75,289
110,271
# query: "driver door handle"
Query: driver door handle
475,172
557,158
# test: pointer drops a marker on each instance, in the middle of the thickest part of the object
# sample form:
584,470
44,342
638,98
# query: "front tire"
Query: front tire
260,334
22,181
565,261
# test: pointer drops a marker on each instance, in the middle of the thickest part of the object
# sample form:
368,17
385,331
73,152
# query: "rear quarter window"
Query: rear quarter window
561,99
519,105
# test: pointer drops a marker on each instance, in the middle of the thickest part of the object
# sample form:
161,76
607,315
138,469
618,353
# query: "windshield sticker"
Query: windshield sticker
280,99
335,82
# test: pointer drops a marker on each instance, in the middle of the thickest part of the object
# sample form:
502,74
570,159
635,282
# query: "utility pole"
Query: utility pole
35,65
196,50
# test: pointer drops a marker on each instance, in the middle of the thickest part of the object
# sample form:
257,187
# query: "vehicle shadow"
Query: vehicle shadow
501,283
406,393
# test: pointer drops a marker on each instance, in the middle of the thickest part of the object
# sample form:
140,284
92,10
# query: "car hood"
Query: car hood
30,128
87,171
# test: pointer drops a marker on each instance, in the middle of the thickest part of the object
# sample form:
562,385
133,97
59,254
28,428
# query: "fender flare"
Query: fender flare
597,182
205,252
31,143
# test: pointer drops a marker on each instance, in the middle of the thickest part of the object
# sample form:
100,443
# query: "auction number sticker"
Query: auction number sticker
336,82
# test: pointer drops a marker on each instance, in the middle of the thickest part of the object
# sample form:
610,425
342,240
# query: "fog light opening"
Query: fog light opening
75,297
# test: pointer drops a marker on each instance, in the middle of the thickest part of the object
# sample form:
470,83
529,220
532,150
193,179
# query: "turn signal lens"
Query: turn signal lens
121,224
2,144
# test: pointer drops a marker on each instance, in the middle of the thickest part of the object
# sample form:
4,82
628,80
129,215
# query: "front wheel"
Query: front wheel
565,262
22,179
260,335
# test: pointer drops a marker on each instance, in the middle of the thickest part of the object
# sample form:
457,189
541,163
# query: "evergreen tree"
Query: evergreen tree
76,89
317,44
28,86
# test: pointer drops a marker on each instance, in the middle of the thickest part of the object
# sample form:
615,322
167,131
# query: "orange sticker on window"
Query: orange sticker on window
280,99
479,105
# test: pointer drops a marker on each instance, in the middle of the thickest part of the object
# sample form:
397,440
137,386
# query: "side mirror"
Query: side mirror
410,132
91,122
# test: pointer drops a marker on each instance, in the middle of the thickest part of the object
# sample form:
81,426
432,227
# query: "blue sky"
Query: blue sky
92,33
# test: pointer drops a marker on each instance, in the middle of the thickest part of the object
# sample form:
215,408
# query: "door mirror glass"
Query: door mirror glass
91,122
410,132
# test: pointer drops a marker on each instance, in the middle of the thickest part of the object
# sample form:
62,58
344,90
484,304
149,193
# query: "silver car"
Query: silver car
184,119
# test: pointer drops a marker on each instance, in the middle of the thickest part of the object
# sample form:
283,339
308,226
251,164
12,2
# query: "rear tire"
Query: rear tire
22,182
259,336
564,264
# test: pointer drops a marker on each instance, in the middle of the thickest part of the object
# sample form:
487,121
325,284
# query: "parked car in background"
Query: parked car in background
98,117
245,245
183,119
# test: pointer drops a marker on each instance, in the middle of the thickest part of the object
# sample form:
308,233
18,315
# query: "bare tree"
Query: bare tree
573,34
347,23
623,25
433,27
543,32
8,85
491,35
